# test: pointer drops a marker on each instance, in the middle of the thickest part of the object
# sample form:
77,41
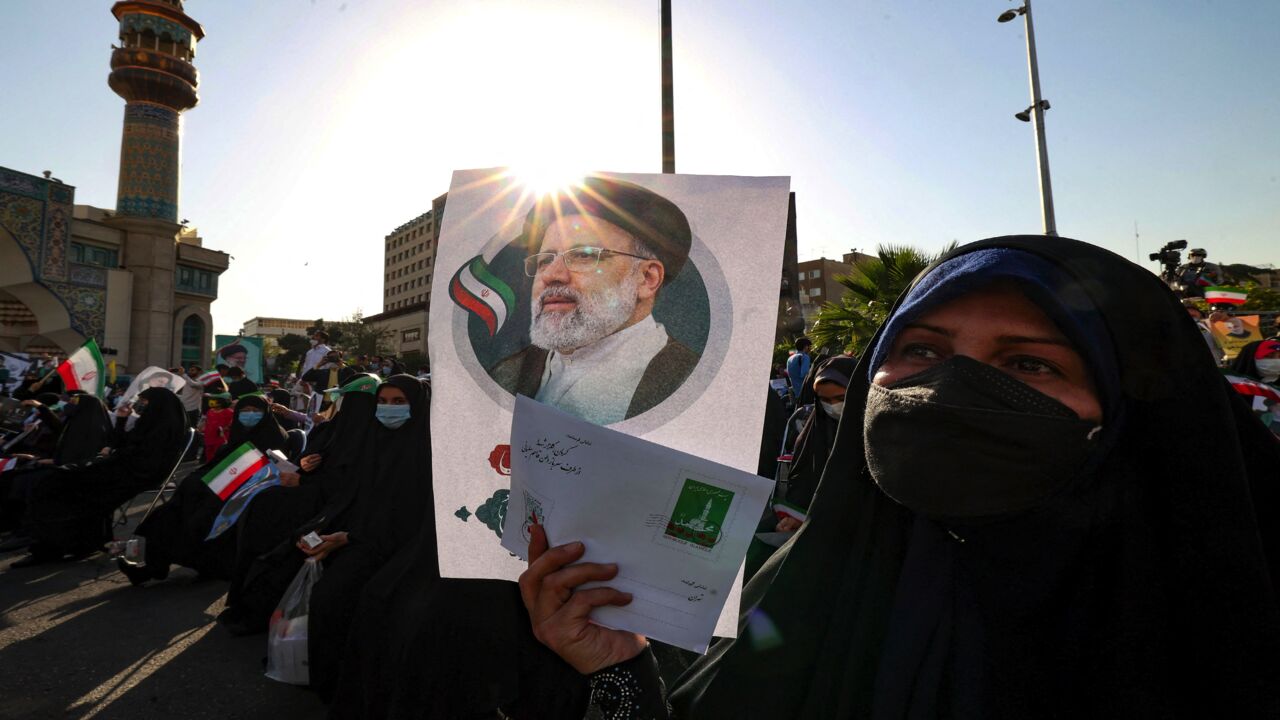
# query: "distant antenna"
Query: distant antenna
1137,254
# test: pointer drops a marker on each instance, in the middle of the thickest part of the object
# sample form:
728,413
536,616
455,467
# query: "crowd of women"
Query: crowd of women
1035,495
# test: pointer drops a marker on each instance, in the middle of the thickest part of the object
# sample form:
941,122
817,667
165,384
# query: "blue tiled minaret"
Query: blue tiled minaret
153,71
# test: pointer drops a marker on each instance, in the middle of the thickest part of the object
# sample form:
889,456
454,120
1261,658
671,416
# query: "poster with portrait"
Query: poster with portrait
1235,332
647,303
241,352
152,377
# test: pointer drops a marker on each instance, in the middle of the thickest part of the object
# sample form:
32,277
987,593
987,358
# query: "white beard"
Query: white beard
593,317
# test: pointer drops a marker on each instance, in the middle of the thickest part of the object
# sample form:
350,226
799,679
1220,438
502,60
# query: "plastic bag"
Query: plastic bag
287,636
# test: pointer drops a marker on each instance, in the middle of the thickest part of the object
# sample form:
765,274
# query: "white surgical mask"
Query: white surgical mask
1269,368
314,342
834,410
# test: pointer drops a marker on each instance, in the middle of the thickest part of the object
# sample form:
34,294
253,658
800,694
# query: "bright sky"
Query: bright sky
324,124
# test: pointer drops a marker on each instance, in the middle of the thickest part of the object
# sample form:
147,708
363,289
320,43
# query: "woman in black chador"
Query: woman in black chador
70,511
1002,530
176,531
266,556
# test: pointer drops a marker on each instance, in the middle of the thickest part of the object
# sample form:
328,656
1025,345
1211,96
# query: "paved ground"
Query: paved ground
77,641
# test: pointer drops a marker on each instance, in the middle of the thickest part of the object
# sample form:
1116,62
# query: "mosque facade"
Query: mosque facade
135,278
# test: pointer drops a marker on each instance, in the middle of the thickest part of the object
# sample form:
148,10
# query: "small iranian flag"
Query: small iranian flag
84,370
235,470
785,510
1222,295
7,464
480,292
208,377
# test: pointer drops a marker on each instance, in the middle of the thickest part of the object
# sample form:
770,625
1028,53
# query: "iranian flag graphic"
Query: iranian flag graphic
236,469
84,370
785,509
483,294
1222,295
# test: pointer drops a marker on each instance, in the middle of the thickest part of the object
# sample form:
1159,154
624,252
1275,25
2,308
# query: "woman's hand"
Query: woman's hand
331,543
560,614
289,479
788,524
124,410
310,462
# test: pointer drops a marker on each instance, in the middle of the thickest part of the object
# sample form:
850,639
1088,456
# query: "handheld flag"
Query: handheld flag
1223,295
84,370
1252,388
266,477
7,464
784,510
236,469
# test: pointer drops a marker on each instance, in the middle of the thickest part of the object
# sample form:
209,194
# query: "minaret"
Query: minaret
152,71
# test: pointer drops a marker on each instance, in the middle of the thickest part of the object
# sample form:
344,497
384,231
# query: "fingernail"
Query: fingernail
575,546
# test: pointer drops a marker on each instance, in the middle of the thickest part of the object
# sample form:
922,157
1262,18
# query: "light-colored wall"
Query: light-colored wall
118,316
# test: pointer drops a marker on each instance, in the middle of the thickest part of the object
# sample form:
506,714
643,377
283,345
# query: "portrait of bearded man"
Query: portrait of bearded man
600,255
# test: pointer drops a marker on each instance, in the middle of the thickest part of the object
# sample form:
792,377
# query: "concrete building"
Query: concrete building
135,279
267,327
408,266
818,284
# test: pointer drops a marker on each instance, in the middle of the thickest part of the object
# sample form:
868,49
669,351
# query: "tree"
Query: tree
870,291
292,349
356,337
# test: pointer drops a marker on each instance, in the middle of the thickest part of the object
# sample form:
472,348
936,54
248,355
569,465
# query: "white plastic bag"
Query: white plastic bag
287,636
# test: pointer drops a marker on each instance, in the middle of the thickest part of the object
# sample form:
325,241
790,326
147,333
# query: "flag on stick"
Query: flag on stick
267,477
7,464
1223,295
84,370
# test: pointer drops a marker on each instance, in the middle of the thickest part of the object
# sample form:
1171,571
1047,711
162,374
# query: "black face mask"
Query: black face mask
963,440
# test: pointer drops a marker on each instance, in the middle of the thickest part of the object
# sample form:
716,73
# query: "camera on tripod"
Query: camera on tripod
1169,258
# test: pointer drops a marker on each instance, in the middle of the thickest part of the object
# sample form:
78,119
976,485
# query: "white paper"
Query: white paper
677,526
153,377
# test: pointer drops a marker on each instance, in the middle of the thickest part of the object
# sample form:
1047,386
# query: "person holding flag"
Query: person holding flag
69,512
176,532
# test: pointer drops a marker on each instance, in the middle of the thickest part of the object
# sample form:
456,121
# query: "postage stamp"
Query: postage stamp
698,517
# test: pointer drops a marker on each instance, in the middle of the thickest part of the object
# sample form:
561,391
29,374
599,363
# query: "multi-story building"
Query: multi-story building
269,327
408,266
136,279
818,284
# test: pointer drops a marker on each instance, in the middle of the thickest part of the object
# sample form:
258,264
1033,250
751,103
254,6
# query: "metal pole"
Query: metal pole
1042,151
668,102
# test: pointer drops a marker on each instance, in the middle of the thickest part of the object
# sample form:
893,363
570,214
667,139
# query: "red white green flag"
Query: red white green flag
480,292
237,468
84,370
1223,295
785,509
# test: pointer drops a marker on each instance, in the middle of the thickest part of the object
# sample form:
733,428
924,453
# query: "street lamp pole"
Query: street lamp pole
1042,150
668,101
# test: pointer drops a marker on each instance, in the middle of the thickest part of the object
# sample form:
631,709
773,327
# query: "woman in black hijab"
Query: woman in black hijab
384,501
267,531
70,511
1004,532
85,431
176,531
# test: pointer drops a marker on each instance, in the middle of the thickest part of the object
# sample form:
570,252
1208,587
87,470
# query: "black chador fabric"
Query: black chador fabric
383,503
85,431
176,531
815,441
266,532
1147,588
396,665
70,509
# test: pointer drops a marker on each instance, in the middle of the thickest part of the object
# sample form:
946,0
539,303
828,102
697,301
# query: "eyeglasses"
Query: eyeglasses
579,259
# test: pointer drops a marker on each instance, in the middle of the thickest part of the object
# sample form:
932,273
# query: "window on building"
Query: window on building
193,341
94,255
411,335
815,274
195,280
814,292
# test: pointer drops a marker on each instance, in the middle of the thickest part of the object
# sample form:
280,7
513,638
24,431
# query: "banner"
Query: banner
153,377
1236,332
241,352
647,303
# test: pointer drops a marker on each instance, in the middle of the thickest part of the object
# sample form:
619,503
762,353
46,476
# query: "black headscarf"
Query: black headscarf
151,447
1146,591
266,435
816,438
85,430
